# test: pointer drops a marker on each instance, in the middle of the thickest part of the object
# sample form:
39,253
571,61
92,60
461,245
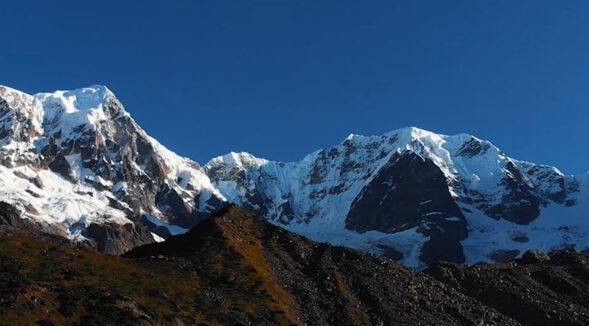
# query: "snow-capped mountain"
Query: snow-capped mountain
416,196
76,161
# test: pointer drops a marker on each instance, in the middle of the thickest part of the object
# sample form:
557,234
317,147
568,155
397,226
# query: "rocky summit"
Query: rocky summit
74,163
237,269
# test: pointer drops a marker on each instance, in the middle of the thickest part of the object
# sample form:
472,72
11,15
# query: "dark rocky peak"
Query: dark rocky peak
230,223
473,147
408,191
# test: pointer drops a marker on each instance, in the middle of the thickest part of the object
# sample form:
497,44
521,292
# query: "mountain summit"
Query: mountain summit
75,163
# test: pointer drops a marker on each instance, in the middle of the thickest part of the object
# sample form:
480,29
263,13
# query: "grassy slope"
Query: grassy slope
55,282
65,285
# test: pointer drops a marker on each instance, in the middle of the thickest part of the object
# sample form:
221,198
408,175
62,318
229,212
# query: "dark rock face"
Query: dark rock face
519,203
57,162
516,199
520,237
169,201
556,186
412,192
405,194
115,239
473,147
444,243
10,216
391,253
535,290
533,257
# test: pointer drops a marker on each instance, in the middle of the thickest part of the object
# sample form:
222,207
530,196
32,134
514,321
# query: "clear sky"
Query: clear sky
280,79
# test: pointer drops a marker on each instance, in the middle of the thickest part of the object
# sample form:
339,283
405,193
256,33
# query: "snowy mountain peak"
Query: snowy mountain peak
8,92
25,117
83,99
411,132
76,159
237,159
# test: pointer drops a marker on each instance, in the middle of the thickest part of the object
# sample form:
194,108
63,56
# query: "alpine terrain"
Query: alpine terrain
75,164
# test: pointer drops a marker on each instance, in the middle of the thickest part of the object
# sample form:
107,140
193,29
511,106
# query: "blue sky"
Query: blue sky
280,79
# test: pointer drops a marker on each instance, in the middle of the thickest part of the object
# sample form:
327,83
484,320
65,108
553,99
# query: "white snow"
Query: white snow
174,229
67,110
157,238
58,201
453,219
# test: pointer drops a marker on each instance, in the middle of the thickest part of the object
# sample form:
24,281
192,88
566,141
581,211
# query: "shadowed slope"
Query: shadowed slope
236,268
537,289
259,267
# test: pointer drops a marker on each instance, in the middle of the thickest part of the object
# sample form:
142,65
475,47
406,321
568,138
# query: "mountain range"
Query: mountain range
74,163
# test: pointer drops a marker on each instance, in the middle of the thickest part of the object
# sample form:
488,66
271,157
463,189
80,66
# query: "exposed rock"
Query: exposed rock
116,239
412,192
391,253
537,291
533,257
405,194
11,219
472,148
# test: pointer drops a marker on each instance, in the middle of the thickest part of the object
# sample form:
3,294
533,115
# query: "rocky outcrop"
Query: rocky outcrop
114,239
411,192
11,219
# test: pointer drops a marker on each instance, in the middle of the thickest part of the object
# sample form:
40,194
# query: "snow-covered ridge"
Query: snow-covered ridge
313,196
240,160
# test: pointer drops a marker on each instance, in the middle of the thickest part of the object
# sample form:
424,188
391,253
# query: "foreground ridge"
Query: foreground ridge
237,268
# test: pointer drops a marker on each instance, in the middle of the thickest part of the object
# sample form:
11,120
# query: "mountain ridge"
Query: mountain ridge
78,161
